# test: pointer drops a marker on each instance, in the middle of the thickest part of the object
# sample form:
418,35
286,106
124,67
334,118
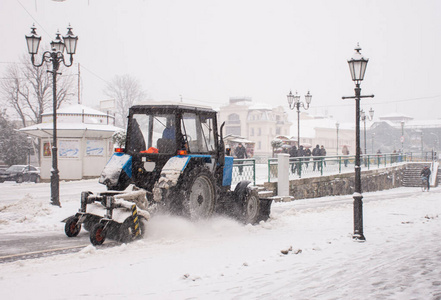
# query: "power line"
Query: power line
97,76
382,102
35,20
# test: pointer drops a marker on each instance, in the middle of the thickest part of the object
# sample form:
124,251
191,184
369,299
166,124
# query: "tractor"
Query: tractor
176,162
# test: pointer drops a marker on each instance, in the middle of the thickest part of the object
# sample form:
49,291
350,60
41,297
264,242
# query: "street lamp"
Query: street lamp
357,66
402,137
29,155
337,125
294,102
55,56
363,118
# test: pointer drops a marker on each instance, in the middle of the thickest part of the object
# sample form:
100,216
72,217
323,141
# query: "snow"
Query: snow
305,251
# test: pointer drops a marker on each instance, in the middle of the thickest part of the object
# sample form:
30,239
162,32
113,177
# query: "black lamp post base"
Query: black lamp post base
358,237
55,194
358,218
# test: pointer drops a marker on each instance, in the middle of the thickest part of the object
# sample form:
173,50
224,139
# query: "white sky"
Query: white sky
212,50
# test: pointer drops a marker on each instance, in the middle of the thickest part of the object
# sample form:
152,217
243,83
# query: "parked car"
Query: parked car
20,173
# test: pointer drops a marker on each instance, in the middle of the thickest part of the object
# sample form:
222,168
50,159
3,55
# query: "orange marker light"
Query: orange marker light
182,152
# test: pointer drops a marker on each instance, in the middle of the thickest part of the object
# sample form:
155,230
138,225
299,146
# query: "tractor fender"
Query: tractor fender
241,190
173,169
119,163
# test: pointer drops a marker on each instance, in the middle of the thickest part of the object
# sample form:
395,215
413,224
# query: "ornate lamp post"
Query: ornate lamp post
294,102
337,125
55,56
357,66
363,118
402,137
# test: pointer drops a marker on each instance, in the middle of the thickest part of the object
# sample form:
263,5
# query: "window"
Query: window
277,130
252,132
198,131
94,148
233,119
259,131
152,131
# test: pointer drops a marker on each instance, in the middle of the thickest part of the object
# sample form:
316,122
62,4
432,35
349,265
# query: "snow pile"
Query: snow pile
25,210
305,251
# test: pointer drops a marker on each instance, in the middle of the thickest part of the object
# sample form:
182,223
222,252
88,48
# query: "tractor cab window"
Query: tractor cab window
198,132
152,133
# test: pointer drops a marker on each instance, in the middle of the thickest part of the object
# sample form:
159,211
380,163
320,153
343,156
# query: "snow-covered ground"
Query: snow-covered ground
223,259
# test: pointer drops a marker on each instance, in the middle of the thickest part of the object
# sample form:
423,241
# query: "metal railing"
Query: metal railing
326,165
244,169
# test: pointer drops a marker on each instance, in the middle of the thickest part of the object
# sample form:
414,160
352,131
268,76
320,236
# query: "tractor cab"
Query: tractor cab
156,133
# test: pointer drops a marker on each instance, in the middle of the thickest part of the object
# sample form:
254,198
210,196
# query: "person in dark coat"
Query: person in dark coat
345,151
323,153
307,153
316,152
241,153
379,156
293,153
425,174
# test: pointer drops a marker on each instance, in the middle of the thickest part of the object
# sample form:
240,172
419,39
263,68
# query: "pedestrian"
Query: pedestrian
293,158
345,152
241,153
379,157
315,153
323,154
425,175
307,153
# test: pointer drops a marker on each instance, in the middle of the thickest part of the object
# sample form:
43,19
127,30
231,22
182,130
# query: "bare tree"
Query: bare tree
28,90
126,91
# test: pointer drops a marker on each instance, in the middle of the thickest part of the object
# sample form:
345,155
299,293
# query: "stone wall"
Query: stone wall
343,184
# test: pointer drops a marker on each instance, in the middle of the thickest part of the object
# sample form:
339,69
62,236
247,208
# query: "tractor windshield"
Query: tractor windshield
152,133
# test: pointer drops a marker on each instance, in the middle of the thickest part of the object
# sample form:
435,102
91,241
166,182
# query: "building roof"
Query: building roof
307,127
71,130
77,109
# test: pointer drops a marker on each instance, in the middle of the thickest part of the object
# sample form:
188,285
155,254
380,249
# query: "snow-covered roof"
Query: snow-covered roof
237,139
395,116
77,130
76,109
260,106
308,127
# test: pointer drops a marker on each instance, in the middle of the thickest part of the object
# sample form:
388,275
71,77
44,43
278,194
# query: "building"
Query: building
323,131
84,137
259,123
400,132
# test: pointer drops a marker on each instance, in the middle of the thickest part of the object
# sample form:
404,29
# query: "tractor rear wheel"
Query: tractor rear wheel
199,191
